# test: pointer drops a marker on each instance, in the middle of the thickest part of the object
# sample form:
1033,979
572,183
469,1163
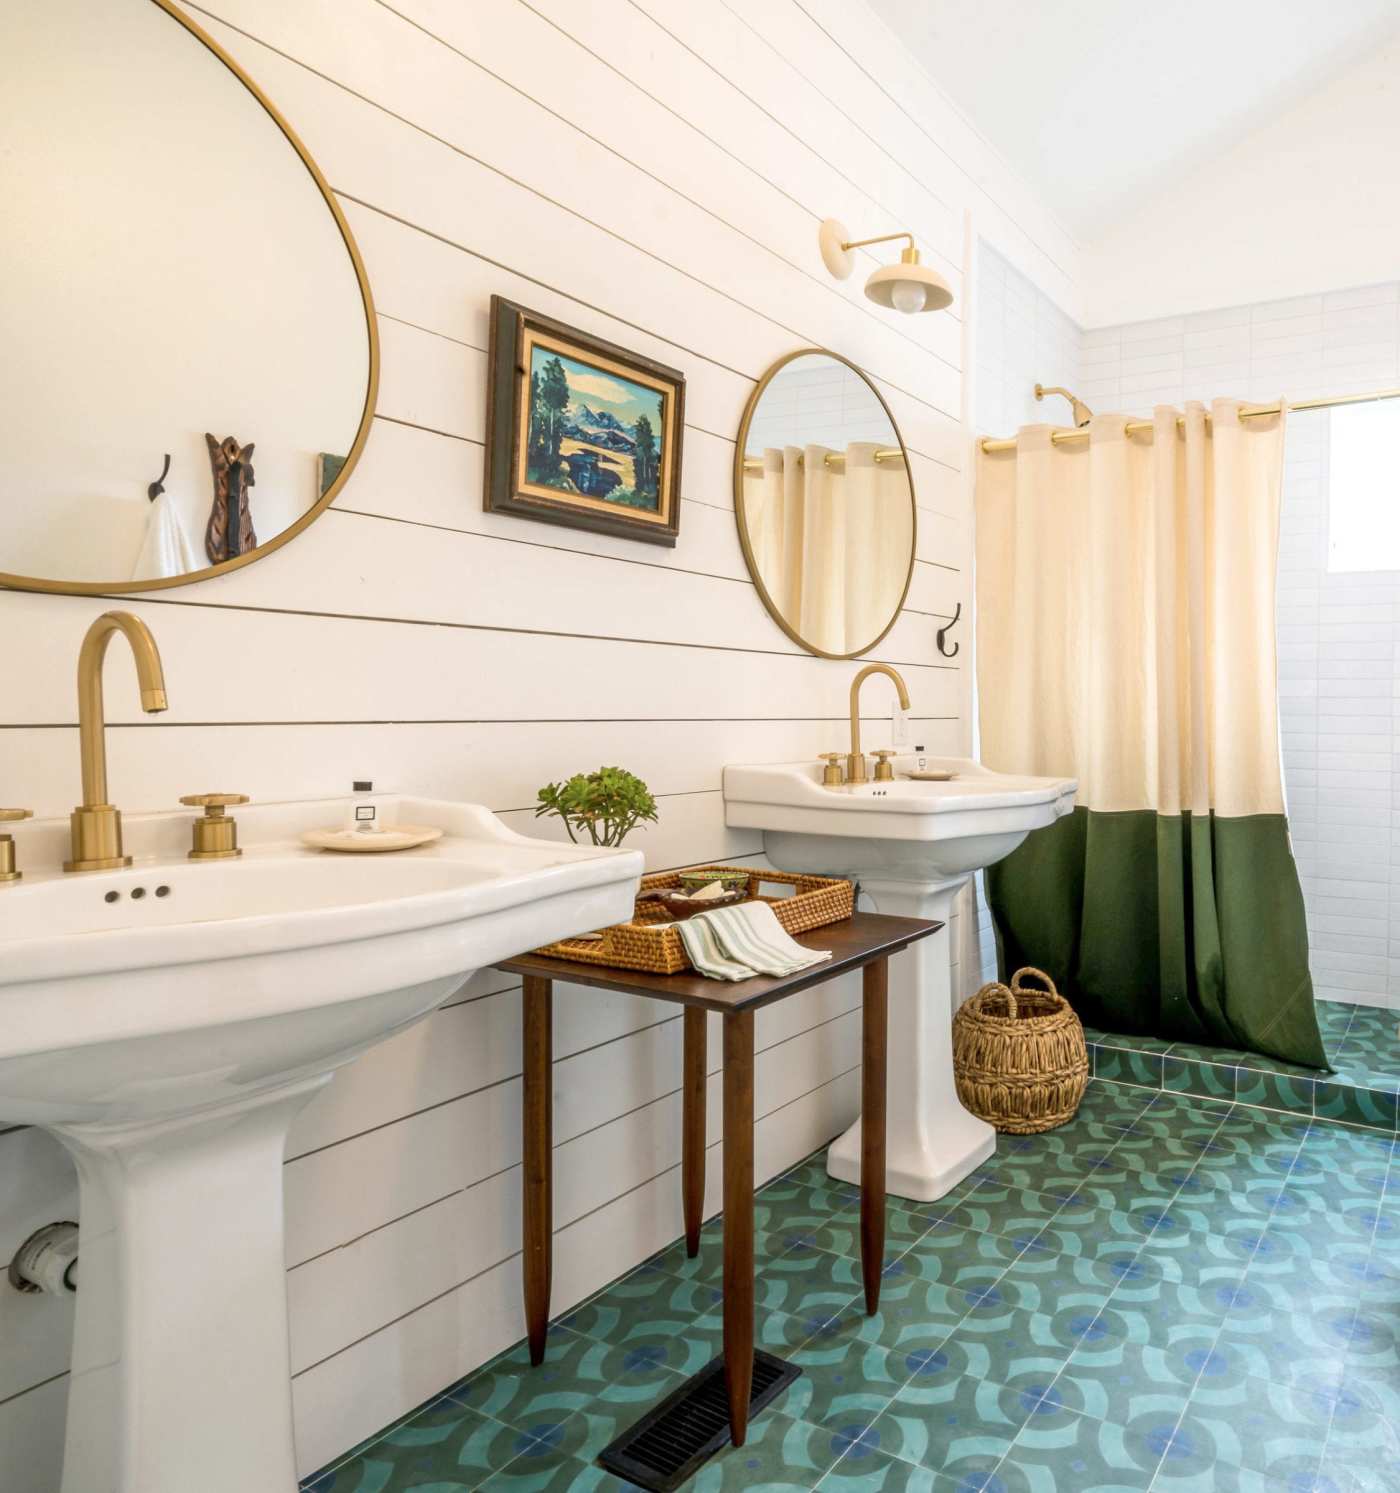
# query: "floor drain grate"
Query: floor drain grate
671,1442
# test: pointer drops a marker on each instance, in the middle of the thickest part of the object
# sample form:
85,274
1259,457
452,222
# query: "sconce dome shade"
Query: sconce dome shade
907,281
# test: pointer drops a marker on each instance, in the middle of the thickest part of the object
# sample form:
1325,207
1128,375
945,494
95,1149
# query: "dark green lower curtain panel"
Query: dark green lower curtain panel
1176,926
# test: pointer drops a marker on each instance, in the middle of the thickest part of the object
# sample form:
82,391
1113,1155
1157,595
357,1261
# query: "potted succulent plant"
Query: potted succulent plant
606,805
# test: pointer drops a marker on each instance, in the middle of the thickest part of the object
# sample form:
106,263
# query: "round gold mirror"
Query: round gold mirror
190,354
825,503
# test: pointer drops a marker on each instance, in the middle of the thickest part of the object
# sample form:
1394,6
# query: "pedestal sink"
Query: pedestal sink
912,845
166,1022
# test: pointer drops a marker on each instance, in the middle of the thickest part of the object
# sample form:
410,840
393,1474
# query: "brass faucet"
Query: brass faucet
855,763
97,826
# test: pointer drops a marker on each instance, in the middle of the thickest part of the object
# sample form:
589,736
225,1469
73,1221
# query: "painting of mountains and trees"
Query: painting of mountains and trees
605,448
594,432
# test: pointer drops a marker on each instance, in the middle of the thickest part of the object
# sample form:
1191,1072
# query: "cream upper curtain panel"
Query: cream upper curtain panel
1125,594
830,535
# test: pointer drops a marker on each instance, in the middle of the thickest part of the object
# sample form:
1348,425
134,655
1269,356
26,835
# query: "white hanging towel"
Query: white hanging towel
166,550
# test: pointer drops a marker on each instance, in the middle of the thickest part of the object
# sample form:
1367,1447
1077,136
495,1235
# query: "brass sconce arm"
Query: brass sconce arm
883,238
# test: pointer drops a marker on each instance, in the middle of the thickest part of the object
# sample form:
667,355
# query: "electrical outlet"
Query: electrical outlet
899,726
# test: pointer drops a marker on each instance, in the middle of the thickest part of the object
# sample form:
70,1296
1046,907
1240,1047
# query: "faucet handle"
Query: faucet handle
215,835
7,845
832,776
884,773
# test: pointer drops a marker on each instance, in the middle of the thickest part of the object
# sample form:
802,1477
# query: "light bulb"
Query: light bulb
907,296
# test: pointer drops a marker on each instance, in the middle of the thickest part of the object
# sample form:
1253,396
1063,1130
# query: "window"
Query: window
1363,487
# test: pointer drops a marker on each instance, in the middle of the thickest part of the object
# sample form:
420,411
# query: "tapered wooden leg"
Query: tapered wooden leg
538,1206
874,1042
738,1218
693,1129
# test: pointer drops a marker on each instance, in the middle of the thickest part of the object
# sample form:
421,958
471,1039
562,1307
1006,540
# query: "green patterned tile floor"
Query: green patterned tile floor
1169,1293
1363,1043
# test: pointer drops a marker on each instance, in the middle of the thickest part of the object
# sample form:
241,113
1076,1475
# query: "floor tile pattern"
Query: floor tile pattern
1363,1043
1169,1293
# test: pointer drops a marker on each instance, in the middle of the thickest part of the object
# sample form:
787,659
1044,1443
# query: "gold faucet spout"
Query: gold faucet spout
855,763
96,825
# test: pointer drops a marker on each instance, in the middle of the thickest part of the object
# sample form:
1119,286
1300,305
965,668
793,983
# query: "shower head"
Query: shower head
1082,413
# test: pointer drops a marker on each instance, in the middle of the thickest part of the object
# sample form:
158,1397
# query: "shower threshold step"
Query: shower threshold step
1362,1042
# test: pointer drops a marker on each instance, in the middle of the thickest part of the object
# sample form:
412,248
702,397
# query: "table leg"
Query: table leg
693,1128
538,1112
874,1035
738,1218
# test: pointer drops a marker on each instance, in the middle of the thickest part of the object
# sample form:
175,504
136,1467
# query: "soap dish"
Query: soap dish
932,775
401,837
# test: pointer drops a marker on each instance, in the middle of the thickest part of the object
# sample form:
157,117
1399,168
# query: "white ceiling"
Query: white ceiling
1100,102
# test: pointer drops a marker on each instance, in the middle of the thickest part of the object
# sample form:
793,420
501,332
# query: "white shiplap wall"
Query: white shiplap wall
1339,635
654,171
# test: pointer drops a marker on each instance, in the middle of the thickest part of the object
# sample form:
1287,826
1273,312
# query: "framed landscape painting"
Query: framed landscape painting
581,432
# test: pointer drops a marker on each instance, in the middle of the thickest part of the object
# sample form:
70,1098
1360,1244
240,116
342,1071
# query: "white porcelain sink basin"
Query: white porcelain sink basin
912,845
911,829
166,1022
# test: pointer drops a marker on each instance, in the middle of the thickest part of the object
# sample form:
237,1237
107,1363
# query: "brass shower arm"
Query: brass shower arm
1082,413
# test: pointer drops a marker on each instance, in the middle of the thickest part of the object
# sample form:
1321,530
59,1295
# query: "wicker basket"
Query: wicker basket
1019,1056
816,901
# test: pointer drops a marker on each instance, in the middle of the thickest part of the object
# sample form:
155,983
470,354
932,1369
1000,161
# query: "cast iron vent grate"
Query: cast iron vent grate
669,1444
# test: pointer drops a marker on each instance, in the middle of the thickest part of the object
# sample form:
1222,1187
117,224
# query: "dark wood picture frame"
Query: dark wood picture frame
517,334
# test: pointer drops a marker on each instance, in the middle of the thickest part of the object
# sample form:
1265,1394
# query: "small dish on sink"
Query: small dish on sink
401,837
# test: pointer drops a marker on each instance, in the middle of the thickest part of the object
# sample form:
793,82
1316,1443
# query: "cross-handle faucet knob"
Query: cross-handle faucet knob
832,776
8,871
884,773
215,835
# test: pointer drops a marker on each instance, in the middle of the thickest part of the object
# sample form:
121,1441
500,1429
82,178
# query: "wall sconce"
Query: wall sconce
907,286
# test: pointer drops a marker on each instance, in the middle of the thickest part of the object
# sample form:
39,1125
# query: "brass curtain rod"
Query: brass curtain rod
1248,412
832,458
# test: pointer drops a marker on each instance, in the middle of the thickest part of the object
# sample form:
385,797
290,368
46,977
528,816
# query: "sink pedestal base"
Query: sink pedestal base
180,1364
933,1142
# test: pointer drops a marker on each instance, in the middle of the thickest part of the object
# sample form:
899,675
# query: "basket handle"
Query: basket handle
1021,988
995,987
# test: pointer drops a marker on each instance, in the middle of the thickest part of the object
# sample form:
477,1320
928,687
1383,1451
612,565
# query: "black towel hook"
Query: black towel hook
943,633
158,486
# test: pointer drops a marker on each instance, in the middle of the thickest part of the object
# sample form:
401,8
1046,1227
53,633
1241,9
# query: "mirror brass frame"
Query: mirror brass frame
114,588
739,515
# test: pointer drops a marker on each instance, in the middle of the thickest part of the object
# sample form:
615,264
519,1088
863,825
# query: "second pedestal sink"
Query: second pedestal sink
166,1022
912,845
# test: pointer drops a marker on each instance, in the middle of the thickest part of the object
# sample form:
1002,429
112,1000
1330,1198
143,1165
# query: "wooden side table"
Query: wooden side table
865,942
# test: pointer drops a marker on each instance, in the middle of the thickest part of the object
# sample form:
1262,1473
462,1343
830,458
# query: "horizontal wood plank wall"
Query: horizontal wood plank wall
653,171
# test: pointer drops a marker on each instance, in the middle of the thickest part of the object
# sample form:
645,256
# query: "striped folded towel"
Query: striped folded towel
737,943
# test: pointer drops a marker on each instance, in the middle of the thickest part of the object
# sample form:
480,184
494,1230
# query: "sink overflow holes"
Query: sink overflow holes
137,892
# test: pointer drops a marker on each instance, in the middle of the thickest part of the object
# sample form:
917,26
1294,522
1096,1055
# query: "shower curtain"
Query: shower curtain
830,538
1125,634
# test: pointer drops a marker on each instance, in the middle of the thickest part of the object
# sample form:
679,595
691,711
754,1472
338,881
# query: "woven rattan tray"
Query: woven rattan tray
816,901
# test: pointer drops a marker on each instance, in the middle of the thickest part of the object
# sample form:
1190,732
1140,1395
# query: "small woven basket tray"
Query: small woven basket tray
1019,1056
816,901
